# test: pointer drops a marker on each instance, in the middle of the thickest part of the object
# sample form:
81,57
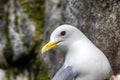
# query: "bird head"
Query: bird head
62,37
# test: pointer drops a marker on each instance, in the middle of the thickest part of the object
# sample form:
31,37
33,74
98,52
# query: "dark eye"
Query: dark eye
62,33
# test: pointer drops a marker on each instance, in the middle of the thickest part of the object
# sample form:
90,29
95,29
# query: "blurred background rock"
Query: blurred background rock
24,22
21,33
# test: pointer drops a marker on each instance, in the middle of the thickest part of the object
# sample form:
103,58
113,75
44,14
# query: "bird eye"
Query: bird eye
62,33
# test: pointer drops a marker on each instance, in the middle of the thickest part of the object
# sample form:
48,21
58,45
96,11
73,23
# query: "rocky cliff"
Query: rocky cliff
21,29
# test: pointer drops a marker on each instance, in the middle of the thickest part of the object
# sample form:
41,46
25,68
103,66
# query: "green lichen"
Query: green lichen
8,74
35,12
31,61
8,51
16,23
59,4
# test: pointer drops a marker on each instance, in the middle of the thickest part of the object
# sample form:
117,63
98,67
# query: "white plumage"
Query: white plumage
83,61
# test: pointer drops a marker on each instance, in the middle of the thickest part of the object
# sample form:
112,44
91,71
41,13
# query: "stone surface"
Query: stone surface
19,58
2,75
23,76
2,37
2,46
22,32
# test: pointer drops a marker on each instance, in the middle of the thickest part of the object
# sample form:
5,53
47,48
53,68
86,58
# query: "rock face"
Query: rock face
22,32
20,41
2,75
99,20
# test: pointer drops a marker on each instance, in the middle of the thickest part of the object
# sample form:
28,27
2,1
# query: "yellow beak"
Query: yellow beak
49,46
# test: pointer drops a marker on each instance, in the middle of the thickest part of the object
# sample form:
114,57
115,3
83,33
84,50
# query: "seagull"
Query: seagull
83,60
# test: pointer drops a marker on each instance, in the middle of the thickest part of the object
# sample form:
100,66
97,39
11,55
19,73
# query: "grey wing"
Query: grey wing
64,74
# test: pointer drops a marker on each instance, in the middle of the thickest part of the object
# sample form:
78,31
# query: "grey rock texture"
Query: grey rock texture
99,20
2,46
2,37
16,38
21,33
24,76
2,75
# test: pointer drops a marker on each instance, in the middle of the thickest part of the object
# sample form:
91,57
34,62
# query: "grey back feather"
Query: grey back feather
64,74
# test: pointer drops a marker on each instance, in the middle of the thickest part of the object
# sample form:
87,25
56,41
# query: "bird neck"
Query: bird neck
77,51
73,54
